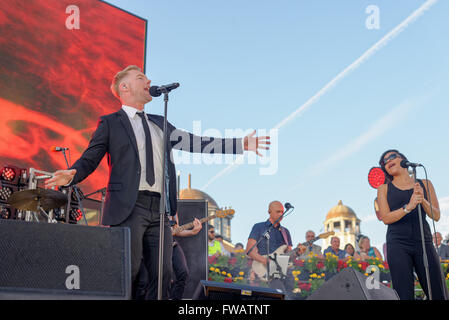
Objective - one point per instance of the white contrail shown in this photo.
(378, 128)
(365, 56)
(378, 45)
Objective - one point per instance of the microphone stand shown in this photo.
(71, 189)
(425, 260)
(278, 268)
(162, 207)
(266, 235)
(103, 196)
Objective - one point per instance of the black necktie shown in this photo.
(148, 149)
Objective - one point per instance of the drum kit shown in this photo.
(40, 204)
(38, 201)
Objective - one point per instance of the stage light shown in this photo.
(14, 175)
(5, 213)
(76, 214)
(8, 174)
(376, 177)
(5, 193)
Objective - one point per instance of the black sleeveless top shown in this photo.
(407, 228)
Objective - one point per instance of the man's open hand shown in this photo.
(252, 143)
(60, 178)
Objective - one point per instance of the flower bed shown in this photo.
(234, 269)
(307, 275)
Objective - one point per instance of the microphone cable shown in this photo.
(434, 232)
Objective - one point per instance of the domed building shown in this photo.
(344, 222)
(222, 225)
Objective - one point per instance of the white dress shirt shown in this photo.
(158, 148)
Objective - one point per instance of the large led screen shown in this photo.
(57, 59)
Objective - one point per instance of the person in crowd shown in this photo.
(442, 249)
(366, 251)
(349, 249)
(226, 251)
(398, 206)
(216, 248)
(310, 246)
(238, 249)
(334, 248)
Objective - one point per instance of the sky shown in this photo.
(335, 84)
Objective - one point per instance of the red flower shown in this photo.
(341, 265)
(228, 280)
(320, 265)
(386, 265)
(299, 262)
(364, 265)
(212, 259)
(305, 286)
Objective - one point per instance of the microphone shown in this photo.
(288, 206)
(57, 149)
(406, 164)
(46, 176)
(156, 91)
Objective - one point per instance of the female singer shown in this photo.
(398, 204)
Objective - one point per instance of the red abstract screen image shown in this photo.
(57, 60)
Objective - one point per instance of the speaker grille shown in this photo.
(212, 290)
(39, 255)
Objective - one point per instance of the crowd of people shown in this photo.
(363, 252)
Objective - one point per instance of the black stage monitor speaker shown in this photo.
(194, 248)
(351, 285)
(211, 290)
(63, 261)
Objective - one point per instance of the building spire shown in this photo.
(190, 181)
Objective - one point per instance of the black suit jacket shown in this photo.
(115, 137)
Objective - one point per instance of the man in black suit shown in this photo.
(135, 170)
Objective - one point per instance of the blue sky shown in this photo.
(252, 64)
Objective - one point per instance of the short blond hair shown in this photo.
(361, 241)
(119, 77)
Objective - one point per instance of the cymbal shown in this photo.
(29, 199)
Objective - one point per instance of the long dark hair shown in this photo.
(389, 178)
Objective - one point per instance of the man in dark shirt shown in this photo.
(334, 248)
(278, 235)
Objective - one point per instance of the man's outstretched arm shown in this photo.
(87, 163)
